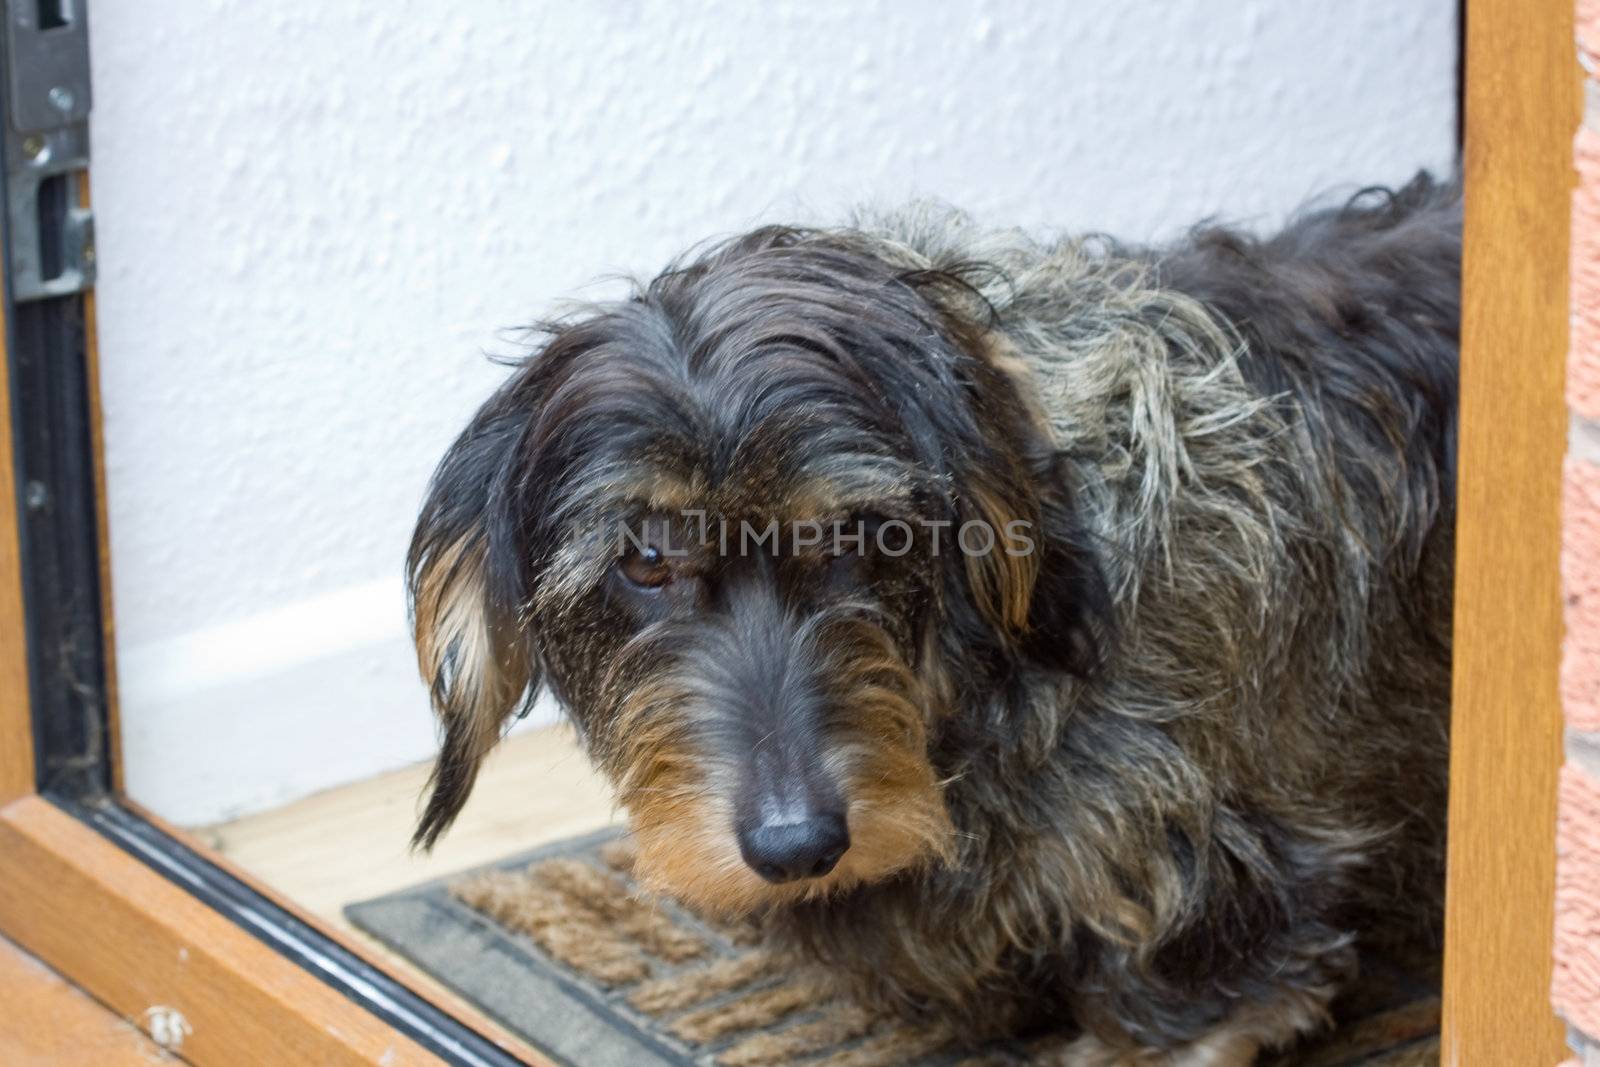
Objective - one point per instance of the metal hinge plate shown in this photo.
(47, 147)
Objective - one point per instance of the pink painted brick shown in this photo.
(1589, 27)
(1575, 984)
(1580, 579)
(1583, 361)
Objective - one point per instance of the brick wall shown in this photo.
(1575, 986)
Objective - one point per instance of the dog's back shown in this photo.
(1350, 318)
(1353, 313)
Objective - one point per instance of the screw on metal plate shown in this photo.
(51, 235)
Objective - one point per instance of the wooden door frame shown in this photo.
(1522, 109)
(139, 915)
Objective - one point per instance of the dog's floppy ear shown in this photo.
(1070, 614)
(478, 664)
(1041, 587)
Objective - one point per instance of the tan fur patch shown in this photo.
(685, 827)
(1001, 581)
(463, 654)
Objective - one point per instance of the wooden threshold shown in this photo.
(139, 943)
(48, 1021)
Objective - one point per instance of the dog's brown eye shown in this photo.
(647, 568)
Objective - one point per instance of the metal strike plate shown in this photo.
(47, 147)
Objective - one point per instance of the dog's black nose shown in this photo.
(786, 852)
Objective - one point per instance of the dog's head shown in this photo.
(761, 529)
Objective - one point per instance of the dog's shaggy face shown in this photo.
(733, 523)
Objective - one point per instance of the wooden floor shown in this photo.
(45, 1022)
(353, 843)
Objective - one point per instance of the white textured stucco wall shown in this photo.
(313, 218)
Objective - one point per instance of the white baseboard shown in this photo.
(260, 711)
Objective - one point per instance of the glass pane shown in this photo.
(316, 226)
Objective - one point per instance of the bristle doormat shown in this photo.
(555, 945)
